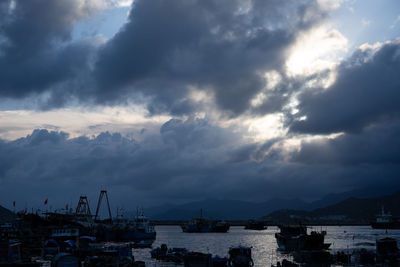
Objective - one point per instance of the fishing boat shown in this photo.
(240, 256)
(295, 238)
(255, 225)
(387, 251)
(385, 221)
(202, 225)
(144, 229)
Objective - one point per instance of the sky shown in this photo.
(162, 101)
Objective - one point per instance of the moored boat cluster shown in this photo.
(81, 239)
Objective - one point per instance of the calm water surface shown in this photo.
(264, 246)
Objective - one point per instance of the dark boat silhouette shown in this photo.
(295, 238)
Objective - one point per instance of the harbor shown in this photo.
(81, 239)
(77, 237)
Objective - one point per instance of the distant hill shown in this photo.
(242, 210)
(222, 209)
(331, 199)
(6, 215)
(351, 210)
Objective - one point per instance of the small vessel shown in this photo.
(285, 263)
(50, 249)
(144, 243)
(219, 261)
(387, 251)
(255, 225)
(198, 259)
(385, 221)
(123, 229)
(196, 225)
(65, 259)
(295, 238)
(240, 256)
(144, 229)
(159, 252)
(219, 226)
(202, 225)
(291, 238)
(111, 255)
(162, 253)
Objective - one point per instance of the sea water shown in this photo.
(263, 243)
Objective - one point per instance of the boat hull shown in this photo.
(315, 241)
(290, 243)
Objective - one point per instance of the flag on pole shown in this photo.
(45, 202)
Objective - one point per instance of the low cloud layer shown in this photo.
(186, 160)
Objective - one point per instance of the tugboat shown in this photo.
(295, 238)
(202, 225)
(386, 221)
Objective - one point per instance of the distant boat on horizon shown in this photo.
(202, 225)
(386, 221)
(255, 225)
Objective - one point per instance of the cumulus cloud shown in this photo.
(222, 47)
(184, 157)
(182, 58)
(187, 160)
(36, 52)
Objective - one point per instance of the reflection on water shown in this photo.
(263, 242)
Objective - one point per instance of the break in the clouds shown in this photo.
(365, 92)
(203, 98)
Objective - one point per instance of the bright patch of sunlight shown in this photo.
(266, 127)
(316, 50)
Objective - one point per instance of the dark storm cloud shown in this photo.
(165, 48)
(178, 162)
(186, 160)
(367, 159)
(366, 92)
(223, 47)
(377, 144)
(35, 52)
